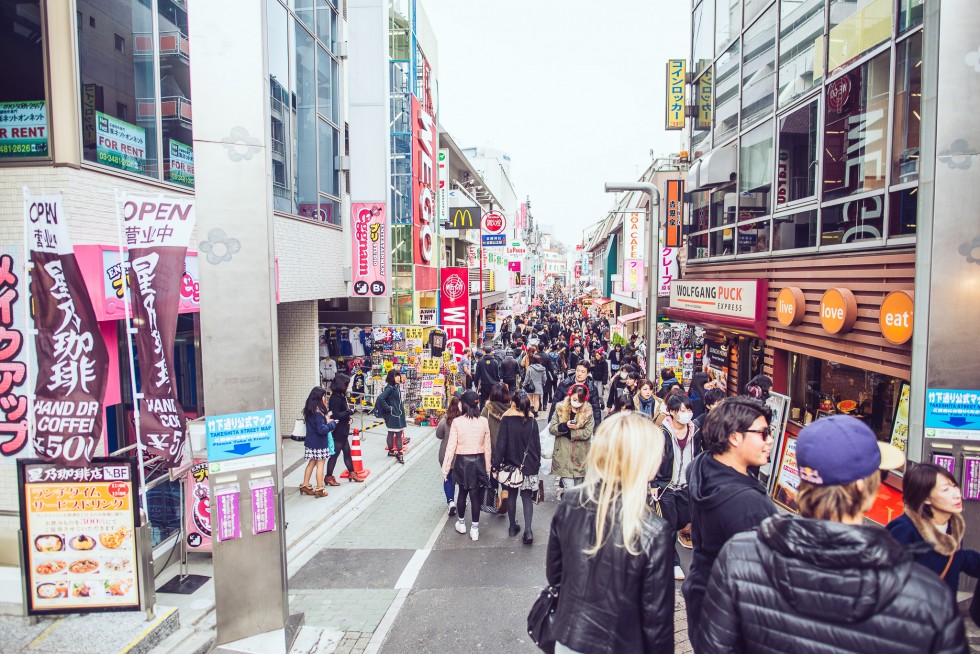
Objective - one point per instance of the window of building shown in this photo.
(796, 162)
(855, 130)
(722, 242)
(305, 11)
(752, 9)
(903, 212)
(120, 44)
(697, 246)
(91, 21)
(818, 388)
(307, 198)
(908, 102)
(853, 220)
(126, 143)
(755, 175)
(326, 24)
(723, 205)
(753, 238)
(23, 105)
(700, 207)
(801, 51)
(704, 32)
(175, 93)
(728, 23)
(122, 111)
(283, 110)
(909, 14)
(726, 94)
(328, 85)
(327, 138)
(794, 231)
(856, 26)
(759, 68)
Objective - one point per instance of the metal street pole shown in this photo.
(653, 217)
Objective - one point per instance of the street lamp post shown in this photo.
(653, 221)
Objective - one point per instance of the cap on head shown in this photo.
(471, 398)
(839, 450)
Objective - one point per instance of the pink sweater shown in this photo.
(467, 436)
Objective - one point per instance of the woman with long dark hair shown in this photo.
(454, 411)
(319, 443)
(390, 407)
(696, 392)
(341, 412)
(468, 456)
(519, 445)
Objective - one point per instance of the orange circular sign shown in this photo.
(790, 306)
(896, 315)
(838, 310)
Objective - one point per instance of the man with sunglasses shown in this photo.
(724, 498)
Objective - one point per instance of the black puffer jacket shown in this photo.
(801, 586)
(612, 602)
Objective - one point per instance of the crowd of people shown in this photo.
(645, 466)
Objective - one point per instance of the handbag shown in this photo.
(489, 504)
(541, 620)
(528, 386)
(513, 476)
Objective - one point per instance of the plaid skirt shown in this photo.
(320, 454)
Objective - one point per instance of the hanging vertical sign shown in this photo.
(157, 231)
(13, 355)
(72, 360)
(423, 184)
(633, 275)
(369, 256)
(634, 235)
(668, 268)
(676, 93)
(443, 186)
(675, 213)
(454, 308)
(702, 120)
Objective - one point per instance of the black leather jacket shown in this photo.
(612, 602)
(799, 585)
(508, 369)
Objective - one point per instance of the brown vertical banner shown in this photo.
(675, 213)
(156, 232)
(72, 360)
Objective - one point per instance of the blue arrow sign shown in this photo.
(241, 434)
(952, 413)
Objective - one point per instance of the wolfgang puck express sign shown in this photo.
(733, 298)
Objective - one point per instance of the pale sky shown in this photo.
(572, 90)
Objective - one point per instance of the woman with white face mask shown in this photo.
(683, 443)
(572, 425)
(647, 403)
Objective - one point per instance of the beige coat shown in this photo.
(572, 446)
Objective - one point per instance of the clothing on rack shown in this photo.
(328, 369)
(357, 345)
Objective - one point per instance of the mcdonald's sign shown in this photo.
(464, 218)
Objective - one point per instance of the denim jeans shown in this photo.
(449, 487)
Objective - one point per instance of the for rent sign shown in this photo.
(455, 314)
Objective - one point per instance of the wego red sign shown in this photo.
(838, 93)
(423, 185)
(455, 314)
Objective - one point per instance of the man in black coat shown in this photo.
(724, 498)
(579, 376)
(508, 371)
(487, 375)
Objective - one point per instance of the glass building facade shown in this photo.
(820, 101)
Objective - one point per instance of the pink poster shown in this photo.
(197, 510)
(369, 254)
(633, 276)
(229, 519)
(263, 505)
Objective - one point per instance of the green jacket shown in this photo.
(391, 408)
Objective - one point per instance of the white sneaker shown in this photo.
(461, 526)
(452, 507)
(678, 573)
(474, 534)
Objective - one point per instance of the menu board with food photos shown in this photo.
(79, 537)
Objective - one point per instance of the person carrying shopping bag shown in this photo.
(516, 461)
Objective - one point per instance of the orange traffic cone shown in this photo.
(355, 454)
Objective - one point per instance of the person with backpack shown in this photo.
(390, 408)
(825, 582)
(519, 447)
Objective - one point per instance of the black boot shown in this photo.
(514, 529)
(528, 536)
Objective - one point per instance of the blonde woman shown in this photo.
(609, 554)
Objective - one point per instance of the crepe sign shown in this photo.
(431, 366)
(78, 530)
(432, 402)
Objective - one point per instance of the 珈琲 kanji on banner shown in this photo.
(72, 360)
(156, 232)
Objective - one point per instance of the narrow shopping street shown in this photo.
(399, 578)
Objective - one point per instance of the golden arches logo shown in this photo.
(462, 218)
